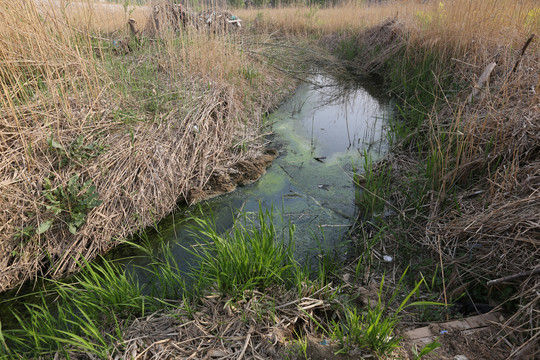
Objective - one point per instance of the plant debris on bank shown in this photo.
(98, 143)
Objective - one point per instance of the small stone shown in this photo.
(460, 357)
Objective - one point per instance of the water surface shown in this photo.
(322, 133)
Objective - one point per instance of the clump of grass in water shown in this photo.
(249, 257)
(87, 314)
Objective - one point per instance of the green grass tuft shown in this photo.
(374, 327)
(249, 257)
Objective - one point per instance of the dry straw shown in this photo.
(57, 84)
(250, 329)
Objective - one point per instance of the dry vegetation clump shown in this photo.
(97, 142)
(253, 328)
(319, 21)
(493, 229)
(484, 154)
(166, 16)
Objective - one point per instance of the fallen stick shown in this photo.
(527, 43)
(514, 277)
(133, 31)
(481, 81)
(131, 23)
(246, 343)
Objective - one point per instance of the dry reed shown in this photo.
(60, 80)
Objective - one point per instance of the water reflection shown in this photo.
(339, 117)
(321, 133)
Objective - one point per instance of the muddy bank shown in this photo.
(225, 180)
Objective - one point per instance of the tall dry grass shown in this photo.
(101, 18)
(483, 157)
(446, 23)
(146, 121)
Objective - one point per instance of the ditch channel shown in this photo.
(323, 134)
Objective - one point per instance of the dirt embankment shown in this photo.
(225, 180)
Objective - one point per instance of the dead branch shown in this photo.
(514, 277)
(527, 43)
(131, 23)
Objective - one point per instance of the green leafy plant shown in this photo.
(86, 314)
(249, 73)
(365, 250)
(70, 203)
(348, 48)
(79, 316)
(25, 233)
(299, 346)
(77, 152)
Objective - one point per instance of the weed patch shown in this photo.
(249, 257)
(374, 327)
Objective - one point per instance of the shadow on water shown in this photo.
(322, 133)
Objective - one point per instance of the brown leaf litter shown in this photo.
(256, 327)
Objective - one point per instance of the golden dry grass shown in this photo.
(92, 16)
(458, 18)
(450, 25)
(156, 121)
